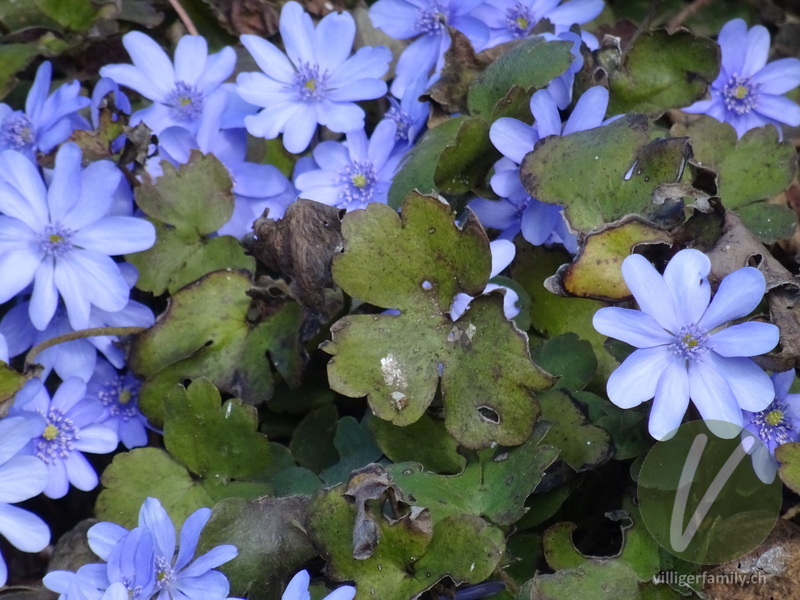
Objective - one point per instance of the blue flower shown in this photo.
(539, 223)
(318, 83)
(60, 238)
(47, 120)
(118, 393)
(353, 174)
(682, 353)
(145, 560)
(298, 589)
(514, 19)
(72, 427)
(503, 252)
(21, 478)
(749, 92)
(3, 349)
(428, 19)
(179, 92)
(255, 186)
(409, 115)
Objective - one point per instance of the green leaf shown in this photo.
(410, 557)
(207, 331)
(356, 449)
(464, 164)
(134, 476)
(770, 222)
(596, 271)
(13, 59)
(187, 205)
(531, 65)
(312, 442)
(662, 71)
(586, 171)
(755, 167)
(271, 542)
(582, 445)
(11, 381)
(569, 358)
(594, 580)
(788, 456)
(556, 315)
(75, 15)
(218, 443)
(624, 425)
(487, 376)
(426, 442)
(495, 486)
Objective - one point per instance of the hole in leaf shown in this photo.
(489, 414)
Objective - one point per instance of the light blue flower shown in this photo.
(318, 83)
(682, 352)
(21, 478)
(353, 174)
(513, 19)
(749, 92)
(179, 92)
(298, 589)
(60, 238)
(255, 186)
(539, 223)
(427, 21)
(72, 427)
(48, 119)
(409, 114)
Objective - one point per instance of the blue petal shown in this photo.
(671, 400)
(589, 111)
(631, 326)
(737, 296)
(297, 33)
(635, 380)
(334, 38)
(513, 138)
(545, 113)
(748, 382)
(23, 529)
(686, 276)
(712, 395)
(155, 519)
(190, 533)
(745, 339)
(650, 291)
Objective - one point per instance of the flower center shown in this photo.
(57, 440)
(16, 132)
(690, 343)
(401, 119)
(773, 425)
(519, 20)
(120, 397)
(740, 94)
(310, 83)
(56, 240)
(165, 576)
(187, 101)
(359, 184)
(431, 20)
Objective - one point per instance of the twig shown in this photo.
(685, 14)
(77, 335)
(184, 17)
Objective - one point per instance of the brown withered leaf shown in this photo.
(370, 482)
(300, 246)
(770, 571)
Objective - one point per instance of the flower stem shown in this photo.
(76, 335)
(184, 17)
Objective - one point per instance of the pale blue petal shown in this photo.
(116, 236)
(732, 42)
(18, 268)
(780, 109)
(44, 299)
(211, 586)
(190, 533)
(15, 432)
(219, 67)
(152, 62)
(210, 560)
(338, 117)
(269, 59)
(650, 291)
(58, 484)
(748, 382)
(545, 113)
(495, 214)
(21, 174)
(503, 252)
(538, 221)
(745, 339)
(23, 529)
(99, 183)
(298, 586)
(299, 130)
(712, 395)
(361, 89)
(80, 473)
(345, 592)
(271, 121)
(61, 196)
(37, 95)
(738, 295)
(369, 62)
(22, 478)
(635, 380)
(334, 38)
(513, 138)
(757, 50)
(686, 276)
(779, 76)
(153, 517)
(102, 538)
(297, 33)
(782, 382)
(631, 326)
(589, 111)
(419, 58)
(190, 58)
(396, 18)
